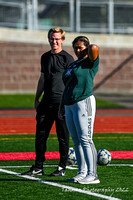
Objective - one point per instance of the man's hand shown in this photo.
(36, 104)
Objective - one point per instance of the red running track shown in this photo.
(23, 122)
(56, 155)
(107, 121)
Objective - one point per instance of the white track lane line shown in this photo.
(60, 185)
(67, 167)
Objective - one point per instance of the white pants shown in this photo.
(80, 120)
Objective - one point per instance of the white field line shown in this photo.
(121, 165)
(68, 167)
(60, 185)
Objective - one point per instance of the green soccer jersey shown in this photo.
(78, 80)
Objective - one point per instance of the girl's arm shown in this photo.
(93, 52)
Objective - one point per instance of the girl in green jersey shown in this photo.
(80, 108)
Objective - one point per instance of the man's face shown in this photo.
(55, 42)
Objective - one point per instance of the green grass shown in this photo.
(27, 101)
(17, 100)
(25, 143)
(115, 180)
(105, 104)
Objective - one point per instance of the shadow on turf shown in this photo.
(51, 180)
(6, 179)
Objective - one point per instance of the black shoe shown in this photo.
(33, 171)
(59, 172)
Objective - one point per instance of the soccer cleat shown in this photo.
(77, 178)
(33, 171)
(59, 172)
(89, 180)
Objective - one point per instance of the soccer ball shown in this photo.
(71, 157)
(103, 157)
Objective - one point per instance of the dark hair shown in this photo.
(81, 38)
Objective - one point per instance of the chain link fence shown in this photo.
(98, 16)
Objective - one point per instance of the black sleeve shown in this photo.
(69, 60)
(42, 63)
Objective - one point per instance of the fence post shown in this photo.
(22, 16)
(111, 16)
(35, 14)
(71, 9)
(78, 16)
(29, 16)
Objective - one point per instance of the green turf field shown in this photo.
(115, 179)
(27, 101)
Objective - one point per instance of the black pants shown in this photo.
(46, 114)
